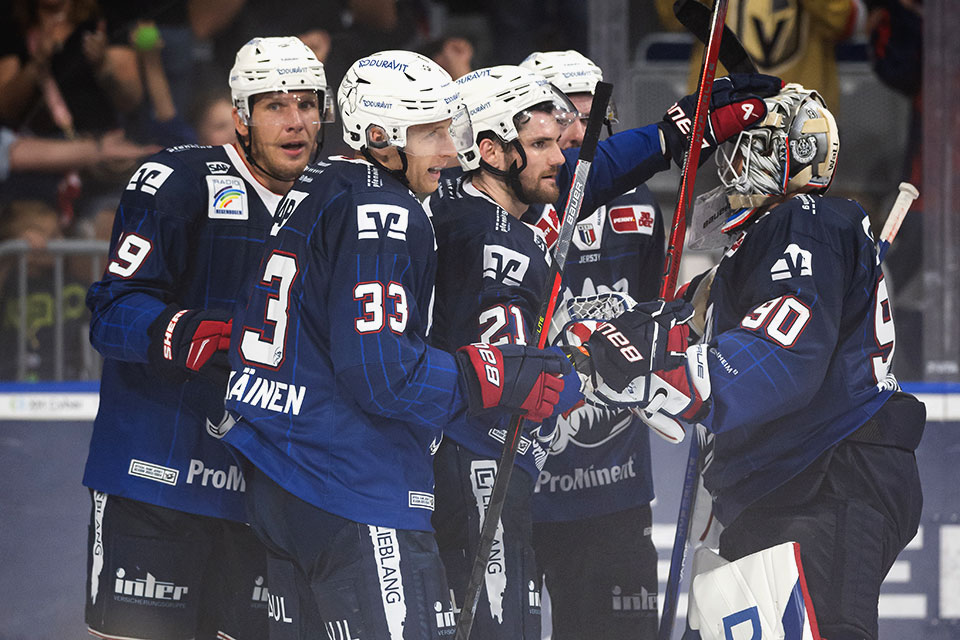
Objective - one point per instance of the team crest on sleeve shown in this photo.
(149, 177)
(635, 218)
(794, 263)
(375, 221)
(504, 265)
(226, 198)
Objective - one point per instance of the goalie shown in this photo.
(809, 438)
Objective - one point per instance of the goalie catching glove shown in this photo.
(736, 104)
(515, 377)
(192, 340)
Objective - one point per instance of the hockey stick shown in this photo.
(498, 494)
(696, 18)
(671, 270)
(908, 193)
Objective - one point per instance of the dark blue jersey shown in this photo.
(801, 323)
(492, 272)
(190, 224)
(493, 268)
(599, 460)
(340, 400)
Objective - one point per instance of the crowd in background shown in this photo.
(88, 88)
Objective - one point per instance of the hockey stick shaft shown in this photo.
(498, 495)
(696, 18)
(908, 193)
(671, 270)
(678, 230)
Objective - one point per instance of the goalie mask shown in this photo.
(794, 149)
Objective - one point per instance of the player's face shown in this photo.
(572, 136)
(283, 132)
(539, 138)
(429, 149)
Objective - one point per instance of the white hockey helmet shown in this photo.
(571, 72)
(794, 148)
(265, 65)
(395, 90)
(499, 100)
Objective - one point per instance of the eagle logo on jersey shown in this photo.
(588, 426)
(796, 262)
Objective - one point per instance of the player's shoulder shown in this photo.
(172, 180)
(811, 215)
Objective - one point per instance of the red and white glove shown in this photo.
(191, 340)
(521, 379)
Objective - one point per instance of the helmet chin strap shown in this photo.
(400, 174)
(512, 175)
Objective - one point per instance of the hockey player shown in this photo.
(492, 271)
(608, 589)
(169, 555)
(340, 403)
(810, 439)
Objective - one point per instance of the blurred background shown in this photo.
(88, 88)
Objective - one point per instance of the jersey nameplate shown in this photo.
(226, 198)
(149, 177)
(636, 218)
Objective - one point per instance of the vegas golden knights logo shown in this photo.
(773, 32)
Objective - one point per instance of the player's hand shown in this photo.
(191, 340)
(636, 343)
(519, 378)
(736, 104)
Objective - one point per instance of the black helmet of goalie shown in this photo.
(793, 150)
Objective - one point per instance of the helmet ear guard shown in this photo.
(793, 149)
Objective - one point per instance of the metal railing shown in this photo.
(18, 253)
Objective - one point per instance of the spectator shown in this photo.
(212, 118)
(36, 223)
(795, 42)
(60, 72)
(453, 53)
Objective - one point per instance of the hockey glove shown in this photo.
(635, 343)
(191, 340)
(515, 377)
(736, 103)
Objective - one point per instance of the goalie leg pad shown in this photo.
(762, 596)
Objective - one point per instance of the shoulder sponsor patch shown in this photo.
(149, 177)
(155, 472)
(504, 265)
(635, 218)
(286, 208)
(226, 198)
(218, 168)
(375, 221)
(794, 263)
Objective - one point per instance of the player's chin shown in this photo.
(428, 180)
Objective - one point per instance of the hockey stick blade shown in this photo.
(498, 495)
(696, 18)
(908, 193)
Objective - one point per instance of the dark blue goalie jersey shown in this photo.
(803, 331)
(191, 222)
(339, 399)
(599, 460)
(492, 272)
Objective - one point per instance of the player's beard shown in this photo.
(539, 190)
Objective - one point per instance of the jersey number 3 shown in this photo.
(254, 346)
